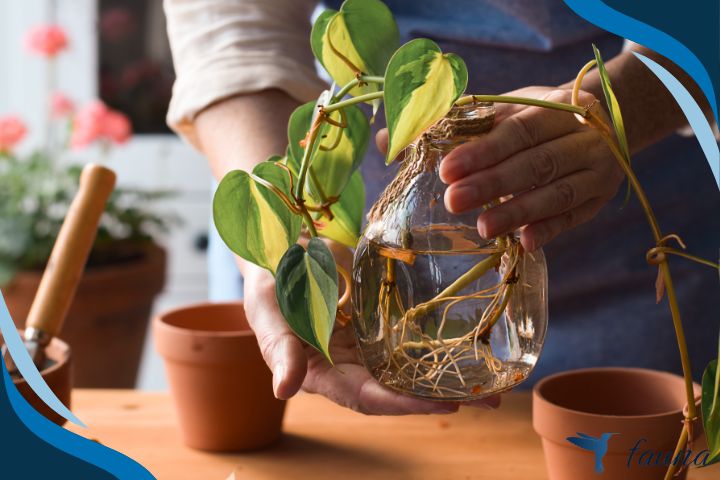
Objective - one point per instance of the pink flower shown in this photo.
(61, 106)
(96, 122)
(12, 131)
(117, 127)
(46, 40)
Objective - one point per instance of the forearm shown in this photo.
(242, 131)
(650, 112)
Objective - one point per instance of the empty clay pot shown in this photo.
(220, 384)
(58, 376)
(640, 410)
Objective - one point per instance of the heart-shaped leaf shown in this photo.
(334, 159)
(711, 410)
(306, 286)
(347, 214)
(421, 86)
(360, 38)
(252, 219)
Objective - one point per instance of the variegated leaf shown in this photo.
(421, 86)
(347, 214)
(360, 38)
(252, 219)
(307, 292)
(331, 169)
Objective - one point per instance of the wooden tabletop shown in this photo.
(325, 442)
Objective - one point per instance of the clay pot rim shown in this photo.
(59, 346)
(161, 323)
(538, 396)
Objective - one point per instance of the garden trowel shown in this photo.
(66, 264)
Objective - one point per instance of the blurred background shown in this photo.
(116, 51)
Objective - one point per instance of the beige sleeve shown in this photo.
(222, 48)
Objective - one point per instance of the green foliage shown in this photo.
(347, 214)
(360, 38)
(307, 292)
(35, 195)
(710, 404)
(421, 86)
(252, 219)
(614, 110)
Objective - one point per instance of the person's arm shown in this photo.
(558, 172)
(242, 68)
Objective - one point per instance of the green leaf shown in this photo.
(421, 86)
(615, 113)
(307, 292)
(252, 219)
(710, 404)
(331, 168)
(347, 214)
(361, 37)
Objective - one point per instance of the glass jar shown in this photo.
(438, 311)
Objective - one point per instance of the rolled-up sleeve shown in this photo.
(223, 48)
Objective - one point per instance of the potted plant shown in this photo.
(126, 267)
(469, 335)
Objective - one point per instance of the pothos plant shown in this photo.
(315, 186)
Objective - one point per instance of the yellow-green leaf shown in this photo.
(306, 288)
(347, 214)
(333, 159)
(710, 404)
(421, 86)
(252, 219)
(360, 38)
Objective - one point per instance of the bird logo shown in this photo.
(599, 446)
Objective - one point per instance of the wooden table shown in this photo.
(325, 442)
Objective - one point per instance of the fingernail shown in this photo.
(492, 223)
(461, 197)
(446, 408)
(454, 167)
(278, 377)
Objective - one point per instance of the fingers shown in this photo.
(352, 386)
(530, 168)
(527, 128)
(539, 234)
(382, 139)
(559, 197)
(490, 403)
(282, 350)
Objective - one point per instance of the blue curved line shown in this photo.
(114, 462)
(27, 368)
(692, 111)
(598, 13)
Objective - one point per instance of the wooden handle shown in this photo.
(71, 250)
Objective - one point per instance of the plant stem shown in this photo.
(682, 442)
(582, 111)
(354, 100)
(353, 83)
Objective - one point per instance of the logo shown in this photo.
(599, 446)
(645, 458)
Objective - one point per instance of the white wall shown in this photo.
(149, 161)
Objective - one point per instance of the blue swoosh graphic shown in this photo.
(74, 445)
(692, 111)
(599, 14)
(27, 368)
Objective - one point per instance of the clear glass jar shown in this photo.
(438, 311)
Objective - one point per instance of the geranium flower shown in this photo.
(96, 122)
(46, 40)
(12, 131)
(61, 106)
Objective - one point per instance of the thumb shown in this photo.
(382, 139)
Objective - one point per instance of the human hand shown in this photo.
(295, 365)
(559, 173)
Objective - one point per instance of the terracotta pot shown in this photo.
(642, 409)
(107, 322)
(220, 384)
(58, 376)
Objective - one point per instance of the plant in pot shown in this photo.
(438, 312)
(126, 267)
